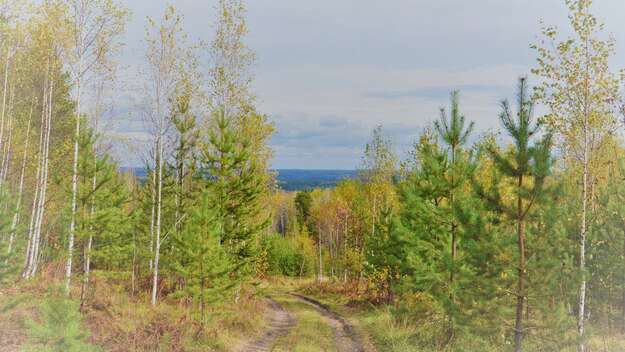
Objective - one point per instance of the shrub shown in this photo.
(59, 329)
(290, 255)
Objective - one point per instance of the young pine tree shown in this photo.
(453, 133)
(207, 266)
(528, 164)
(59, 329)
(237, 190)
(424, 224)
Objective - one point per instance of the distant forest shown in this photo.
(287, 179)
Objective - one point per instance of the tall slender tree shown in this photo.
(167, 53)
(528, 164)
(94, 27)
(453, 133)
(581, 93)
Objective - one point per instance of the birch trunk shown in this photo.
(44, 182)
(28, 262)
(39, 199)
(582, 245)
(158, 218)
(87, 252)
(72, 225)
(153, 191)
(585, 185)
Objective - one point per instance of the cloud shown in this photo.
(329, 71)
(330, 109)
(436, 92)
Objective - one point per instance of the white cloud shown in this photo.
(329, 71)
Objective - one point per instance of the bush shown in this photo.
(59, 329)
(290, 255)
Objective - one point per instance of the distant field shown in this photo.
(289, 179)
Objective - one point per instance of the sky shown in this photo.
(329, 71)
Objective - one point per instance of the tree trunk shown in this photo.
(33, 241)
(86, 268)
(42, 176)
(72, 225)
(44, 183)
(320, 257)
(158, 218)
(453, 223)
(518, 324)
(582, 246)
(87, 253)
(153, 214)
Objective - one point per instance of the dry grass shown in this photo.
(119, 321)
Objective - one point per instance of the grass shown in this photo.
(312, 332)
(117, 321)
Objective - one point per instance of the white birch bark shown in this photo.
(153, 195)
(157, 236)
(28, 261)
(72, 225)
(44, 183)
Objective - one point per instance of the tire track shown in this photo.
(345, 336)
(279, 323)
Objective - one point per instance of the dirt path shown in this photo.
(346, 337)
(279, 321)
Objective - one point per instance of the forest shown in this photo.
(506, 240)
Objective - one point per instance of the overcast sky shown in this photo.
(329, 71)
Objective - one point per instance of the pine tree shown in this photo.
(528, 164)
(206, 265)
(453, 133)
(237, 188)
(423, 223)
(60, 328)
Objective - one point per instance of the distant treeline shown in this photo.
(287, 179)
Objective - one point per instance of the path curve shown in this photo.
(279, 323)
(346, 337)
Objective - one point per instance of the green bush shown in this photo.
(290, 255)
(59, 328)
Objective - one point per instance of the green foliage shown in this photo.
(237, 188)
(303, 205)
(59, 328)
(292, 255)
(436, 202)
(204, 265)
(10, 261)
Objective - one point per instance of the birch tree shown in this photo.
(47, 44)
(581, 93)
(94, 27)
(165, 55)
